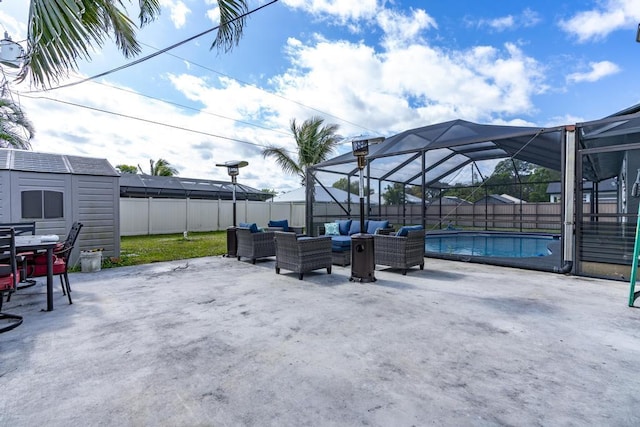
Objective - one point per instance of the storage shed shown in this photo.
(55, 190)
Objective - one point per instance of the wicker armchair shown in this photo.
(254, 245)
(302, 254)
(400, 252)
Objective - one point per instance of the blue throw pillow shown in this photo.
(343, 226)
(374, 225)
(404, 231)
(284, 223)
(331, 229)
(252, 226)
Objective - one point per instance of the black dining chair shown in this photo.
(61, 254)
(9, 277)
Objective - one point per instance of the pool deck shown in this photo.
(213, 341)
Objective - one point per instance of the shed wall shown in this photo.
(92, 200)
(96, 205)
(5, 202)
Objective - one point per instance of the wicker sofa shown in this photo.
(399, 250)
(254, 244)
(342, 232)
(301, 254)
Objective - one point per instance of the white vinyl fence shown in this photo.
(164, 216)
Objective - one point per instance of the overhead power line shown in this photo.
(266, 91)
(186, 107)
(146, 120)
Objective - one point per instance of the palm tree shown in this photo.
(160, 168)
(16, 130)
(61, 31)
(315, 143)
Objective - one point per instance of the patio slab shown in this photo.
(213, 341)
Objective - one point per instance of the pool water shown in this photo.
(490, 245)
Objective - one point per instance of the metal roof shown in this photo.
(448, 147)
(32, 161)
(134, 185)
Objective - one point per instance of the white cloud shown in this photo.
(528, 18)
(595, 24)
(177, 10)
(597, 71)
(400, 29)
(500, 24)
(15, 28)
(343, 11)
(410, 86)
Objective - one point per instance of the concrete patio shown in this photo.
(214, 341)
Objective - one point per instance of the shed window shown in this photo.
(39, 204)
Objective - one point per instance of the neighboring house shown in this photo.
(607, 191)
(330, 195)
(176, 187)
(499, 199)
(448, 201)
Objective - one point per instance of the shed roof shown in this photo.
(33, 161)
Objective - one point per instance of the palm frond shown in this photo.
(284, 160)
(16, 130)
(149, 9)
(231, 24)
(60, 32)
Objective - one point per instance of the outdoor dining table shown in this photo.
(38, 244)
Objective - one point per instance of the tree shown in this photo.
(160, 168)
(394, 194)
(354, 186)
(61, 31)
(538, 182)
(529, 184)
(315, 143)
(16, 130)
(127, 169)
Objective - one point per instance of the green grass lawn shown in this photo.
(136, 250)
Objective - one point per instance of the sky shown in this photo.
(372, 67)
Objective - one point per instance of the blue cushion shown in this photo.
(340, 243)
(331, 229)
(284, 223)
(343, 226)
(404, 231)
(252, 226)
(355, 226)
(374, 225)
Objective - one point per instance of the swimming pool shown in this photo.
(502, 245)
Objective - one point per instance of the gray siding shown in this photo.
(5, 201)
(97, 207)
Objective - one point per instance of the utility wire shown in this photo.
(153, 55)
(186, 107)
(264, 90)
(146, 120)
